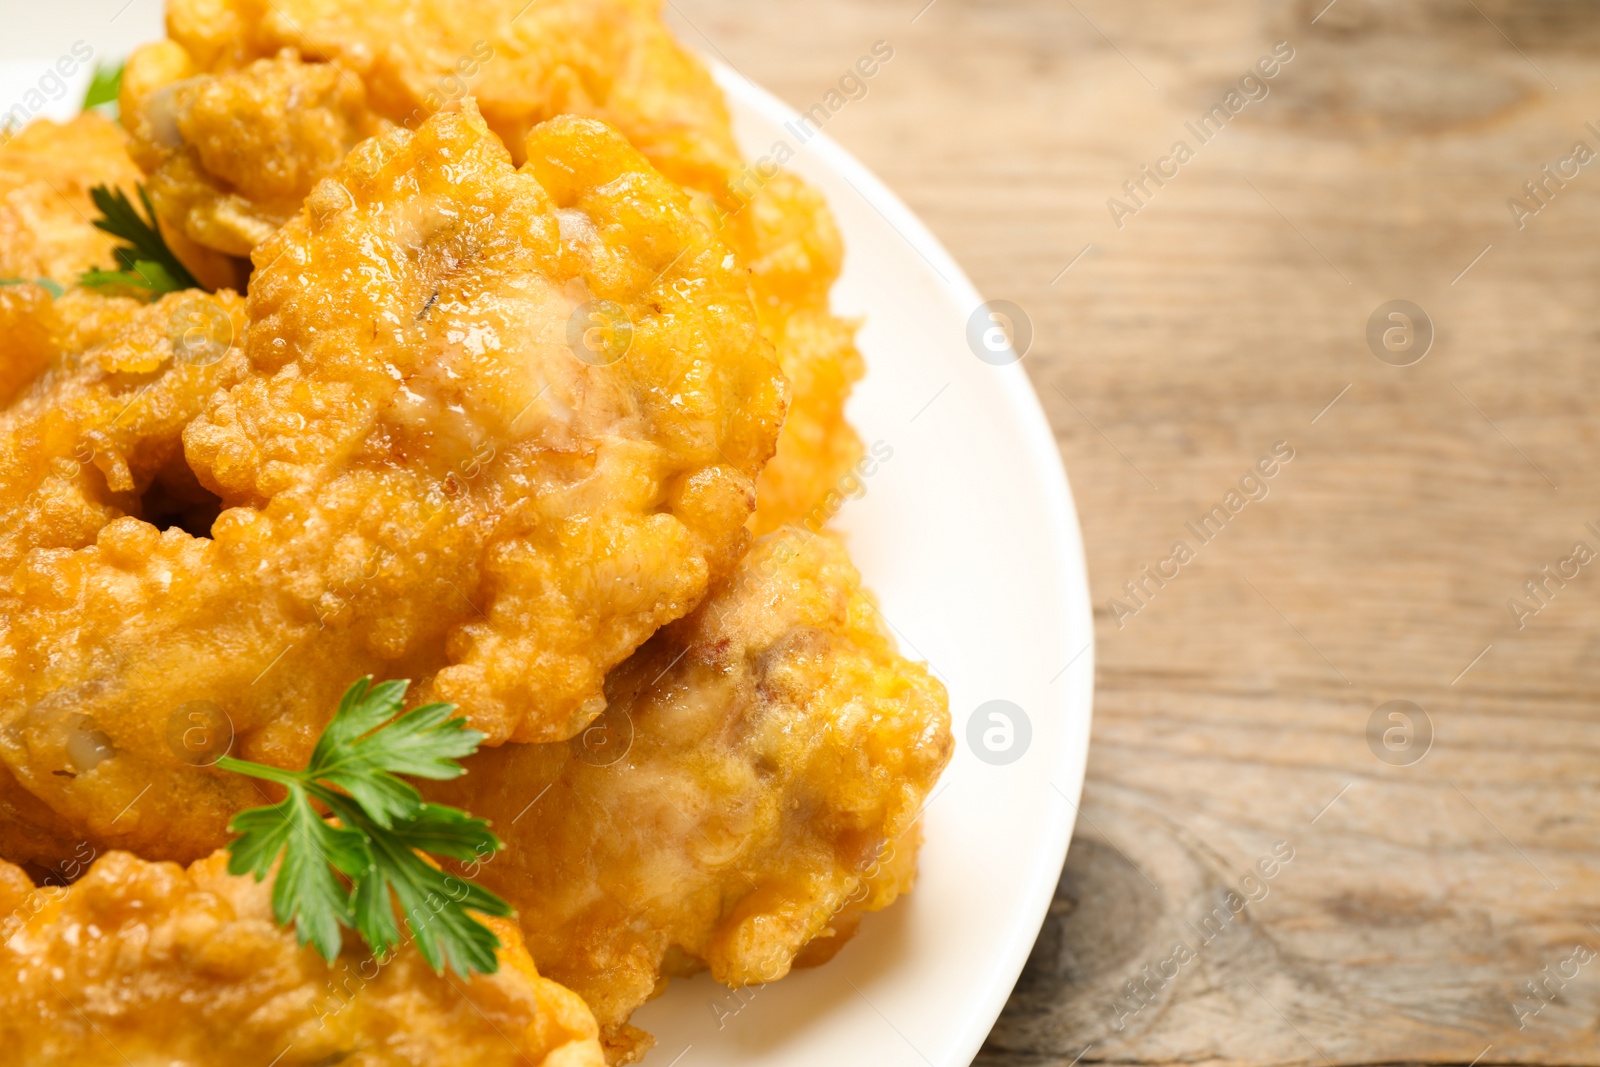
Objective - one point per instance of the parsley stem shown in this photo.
(261, 770)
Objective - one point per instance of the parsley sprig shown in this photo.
(146, 261)
(343, 875)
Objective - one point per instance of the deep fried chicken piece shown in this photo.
(46, 172)
(46, 235)
(151, 963)
(610, 59)
(230, 151)
(524, 63)
(417, 475)
(784, 231)
(229, 184)
(90, 455)
(103, 423)
(809, 476)
(28, 325)
(751, 790)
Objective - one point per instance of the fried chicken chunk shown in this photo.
(151, 963)
(91, 455)
(228, 184)
(487, 428)
(47, 241)
(524, 63)
(46, 172)
(751, 790)
(787, 236)
(27, 335)
(609, 59)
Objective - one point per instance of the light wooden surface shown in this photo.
(1232, 710)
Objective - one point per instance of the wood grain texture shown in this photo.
(1429, 910)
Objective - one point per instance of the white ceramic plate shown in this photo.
(968, 535)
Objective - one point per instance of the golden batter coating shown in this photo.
(524, 63)
(151, 963)
(47, 238)
(28, 326)
(818, 447)
(484, 427)
(46, 172)
(428, 464)
(784, 231)
(91, 464)
(97, 431)
(610, 59)
(752, 788)
(228, 184)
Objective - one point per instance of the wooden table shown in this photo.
(1442, 904)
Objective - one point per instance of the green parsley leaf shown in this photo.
(144, 275)
(104, 87)
(306, 892)
(146, 261)
(436, 904)
(424, 743)
(385, 827)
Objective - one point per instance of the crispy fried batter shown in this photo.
(818, 447)
(28, 326)
(525, 63)
(609, 59)
(229, 184)
(416, 474)
(750, 791)
(90, 449)
(46, 172)
(786, 234)
(151, 963)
